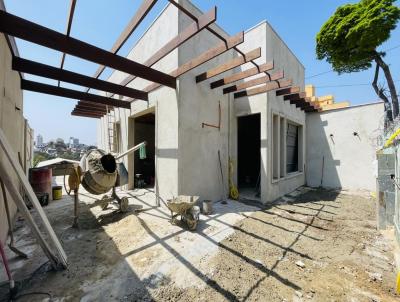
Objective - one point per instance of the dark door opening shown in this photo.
(144, 169)
(249, 154)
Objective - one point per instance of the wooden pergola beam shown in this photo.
(141, 13)
(72, 94)
(203, 58)
(265, 88)
(71, 12)
(254, 54)
(242, 75)
(295, 96)
(51, 72)
(32, 32)
(258, 81)
(189, 32)
(290, 90)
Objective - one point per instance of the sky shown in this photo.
(100, 22)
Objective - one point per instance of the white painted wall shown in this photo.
(348, 159)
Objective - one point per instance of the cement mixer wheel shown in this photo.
(124, 204)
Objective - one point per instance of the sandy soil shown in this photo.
(332, 238)
(316, 246)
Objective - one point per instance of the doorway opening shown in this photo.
(144, 168)
(249, 156)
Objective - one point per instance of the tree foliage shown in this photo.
(349, 39)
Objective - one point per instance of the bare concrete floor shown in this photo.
(311, 246)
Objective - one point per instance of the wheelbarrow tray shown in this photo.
(182, 203)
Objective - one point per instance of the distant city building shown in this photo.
(73, 142)
(39, 140)
(60, 141)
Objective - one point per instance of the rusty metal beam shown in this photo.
(93, 104)
(265, 88)
(294, 96)
(72, 94)
(186, 34)
(68, 29)
(89, 108)
(203, 58)
(87, 112)
(215, 33)
(141, 13)
(32, 32)
(290, 90)
(254, 54)
(85, 115)
(51, 72)
(258, 81)
(242, 75)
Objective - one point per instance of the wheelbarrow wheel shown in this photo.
(192, 224)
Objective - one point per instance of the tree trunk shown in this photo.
(383, 97)
(392, 88)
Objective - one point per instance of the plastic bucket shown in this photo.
(57, 192)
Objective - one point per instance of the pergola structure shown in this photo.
(96, 106)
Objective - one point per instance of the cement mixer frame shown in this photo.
(75, 180)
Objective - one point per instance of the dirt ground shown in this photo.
(312, 246)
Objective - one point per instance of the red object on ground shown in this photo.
(40, 180)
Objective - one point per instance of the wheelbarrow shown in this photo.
(184, 206)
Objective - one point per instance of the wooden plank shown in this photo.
(32, 32)
(72, 94)
(203, 58)
(74, 78)
(265, 88)
(294, 96)
(254, 54)
(258, 81)
(13, 160)
(242, 75)
(85, 115)
(87, 106)
(189, 32)
(290, 90)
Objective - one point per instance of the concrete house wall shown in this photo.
(163, 101)
(12, 122)
(187, 153)
(336, 158)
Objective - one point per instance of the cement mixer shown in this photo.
(99, 172)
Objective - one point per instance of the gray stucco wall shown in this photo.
(163, 101)
(186, 153)
(12, 121)
(335, 156)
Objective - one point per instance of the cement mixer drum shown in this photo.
(100, 171)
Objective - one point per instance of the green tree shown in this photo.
(39, 156)
(350, 38)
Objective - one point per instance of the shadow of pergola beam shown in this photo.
(284, 253)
